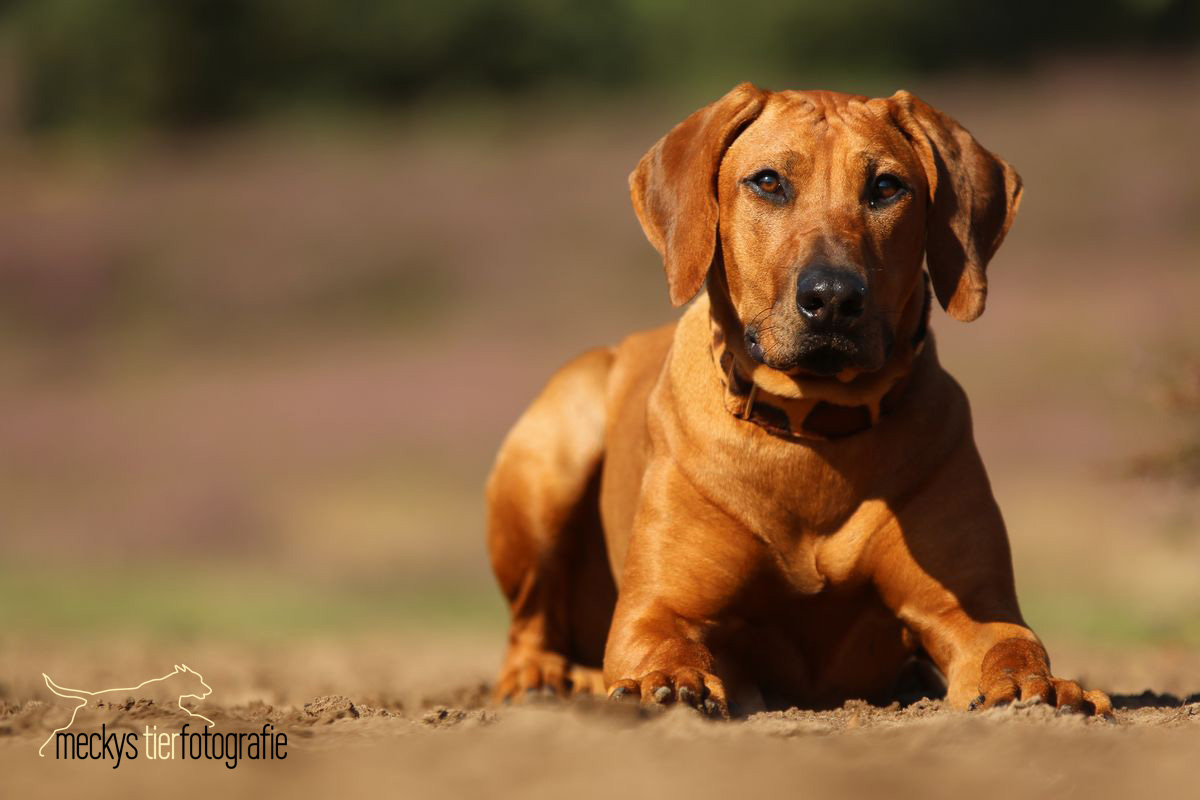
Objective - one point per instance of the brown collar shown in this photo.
(808, 418)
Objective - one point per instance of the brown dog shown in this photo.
(777, 500)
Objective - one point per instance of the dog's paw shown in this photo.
(690, 687)
(1016, 670)
(1065, 695)
(541, 675)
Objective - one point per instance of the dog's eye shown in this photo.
(885, 188)
(768, 181)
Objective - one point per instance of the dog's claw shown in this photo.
(684, 686)
(977, 703)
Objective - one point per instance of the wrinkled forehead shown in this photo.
(798, 127)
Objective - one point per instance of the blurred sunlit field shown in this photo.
(252, 382)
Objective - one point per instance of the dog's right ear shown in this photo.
(674, 187)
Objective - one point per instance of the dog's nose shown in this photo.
(830, 298)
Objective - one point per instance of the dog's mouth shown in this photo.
(819, 355)
(824, 361)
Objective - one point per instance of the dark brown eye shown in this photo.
(884, 188)
(768, 180)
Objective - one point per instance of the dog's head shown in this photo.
(814, 211)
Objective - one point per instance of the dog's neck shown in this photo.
(795, 407)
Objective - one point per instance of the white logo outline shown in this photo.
(76, 695)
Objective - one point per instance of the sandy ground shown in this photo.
(412, 718)
(414, 721)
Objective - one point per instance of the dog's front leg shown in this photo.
(686, 563)
(660, 658)
(945, 569)
(989, 657)
(975, 635)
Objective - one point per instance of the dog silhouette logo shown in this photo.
(182, 679)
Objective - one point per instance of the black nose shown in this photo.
(830, 298)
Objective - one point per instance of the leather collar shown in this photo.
(807, 418)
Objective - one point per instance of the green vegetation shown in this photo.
(184, 600)
(1108, 619)
(103, 63)
(1179, 396)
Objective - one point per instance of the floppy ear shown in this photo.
(674, 187)
(973, 195)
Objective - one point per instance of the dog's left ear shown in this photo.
(973, 195)
(674, 187)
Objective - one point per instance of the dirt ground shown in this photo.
(376, 716)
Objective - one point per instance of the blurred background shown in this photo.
(275, 278)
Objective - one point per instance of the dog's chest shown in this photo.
(815, 521)
(811, 561)
(797, 564)
(811, 518)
